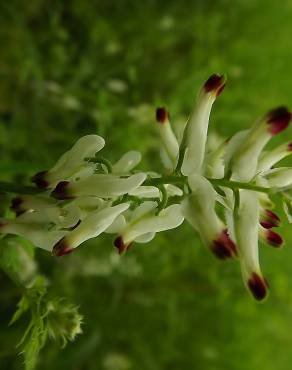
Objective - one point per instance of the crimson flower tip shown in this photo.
(61, 248)
(224, 247)
(215, 83)
(61, 191)
(258, 286)
(274, 239)
(278, 120)
(39, 180)
(161, 115)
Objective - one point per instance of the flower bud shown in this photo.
(244, 161)
(199, 211)
(100, 185)
(197, 126)
(279, 177)
(269, 219)
(127, 162)
(270, 158)
(144, 222)
(168, 137)
(246, 230)
(92, 226)
(70, 162)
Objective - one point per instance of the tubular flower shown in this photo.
(71, 162)
(169, 140)
(92, 226)
(99, 185)
(144, 222)
(199, 211)
(197, 126)
(244, 161)
(246, 233)
(84, 195)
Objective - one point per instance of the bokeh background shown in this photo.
(70, 68)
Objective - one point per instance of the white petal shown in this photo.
(145, 238)
(73, 160)
(127, 162)
(197, 128)
(92, 226)
(271, 157)
(279, 177)
(168, 218)
(146, 192)
(104, 186)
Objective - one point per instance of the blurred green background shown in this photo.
(70, 68)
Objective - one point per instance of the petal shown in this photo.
(199, 210)
(197, 126)
(104, 186)
(146, 192)
(271, 238)
(36, 233)
(167, 135)
(246, 229)
(169, 218)
(92, 226)
(70, 162)
(270, 158)
(279, 177)
(127, 162)
(244, 162)
(214, 166)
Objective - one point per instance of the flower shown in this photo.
(70, 162)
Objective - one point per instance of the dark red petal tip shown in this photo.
(278, 119)
(224, 247)
(61, 191)
(120, 245)
(215, 83)
(16, 206)
(258, 286)
(3, 222)
(161, 115)
(61, 248)
(40, 180)
(274, 239)
(270, 219)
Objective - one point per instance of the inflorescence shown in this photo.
(223, 193)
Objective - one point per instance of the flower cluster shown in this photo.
(223, 193)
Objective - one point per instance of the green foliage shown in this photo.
(49, 318)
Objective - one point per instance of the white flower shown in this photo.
(127, 162)
(144, 223)
(37, 233)
(244, 160)
(92, 226)
(100, 185)
(199, 210)
(70, 162)
(197, 127)
(168, 138)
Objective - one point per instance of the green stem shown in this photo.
(217, 182)
(8, 187)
